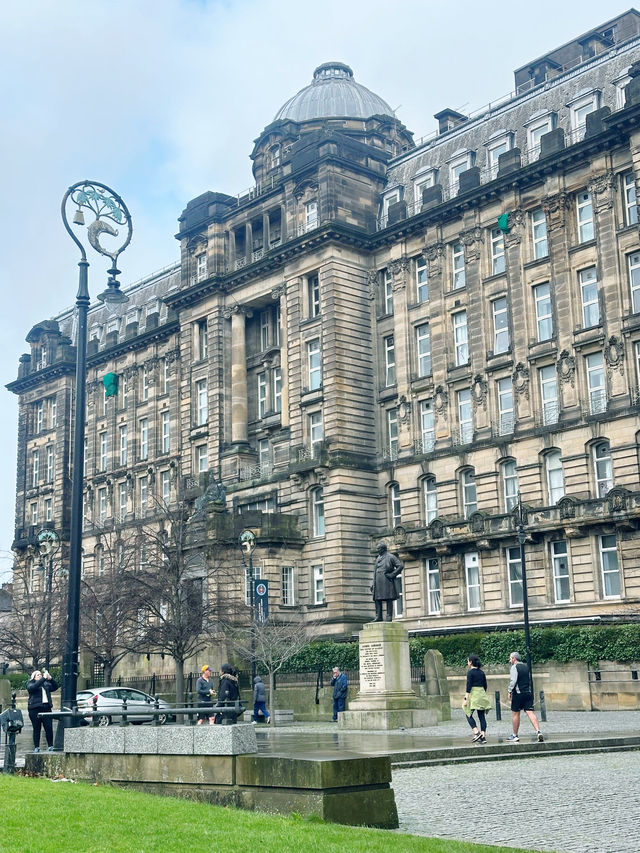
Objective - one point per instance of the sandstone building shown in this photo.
(388, 337)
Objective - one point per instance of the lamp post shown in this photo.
(248, 544)
(109, 211)
(521, 518)
(48, 544)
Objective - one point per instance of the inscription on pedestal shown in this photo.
(372, 666)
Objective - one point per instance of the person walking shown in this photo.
(260, 700)
(228, 689)
(339, 684)
(476, 699)
(40, 687)
(521, 696)
(205, 692)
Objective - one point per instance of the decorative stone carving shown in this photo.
(516, 227)
(279, 291)
(479, 391)
(372, 283)
(566, 367)
(614, 354)
(305, 186)
(617, 499)
(476, 522)
(404, 410)
(172, 355)
(520, 379)
(602, 189)
(228, 311)
(555, 208)
(130, 372)
(440, 401)
(472, 239)
(436, 529)
(398, 269)
(434, 255)
(566, 507)
(399, 535)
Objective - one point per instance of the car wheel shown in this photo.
(103, 720)
(162, 719)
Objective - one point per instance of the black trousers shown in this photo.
(378, 604)
(482, 719)
(46, 723)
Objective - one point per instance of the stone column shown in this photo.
(402, 346)
(280, 293)
(238, 375)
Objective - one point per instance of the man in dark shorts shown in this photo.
(521, 696)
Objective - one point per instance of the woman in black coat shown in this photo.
(40, 687)
(228, 690)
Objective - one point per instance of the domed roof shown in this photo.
(333, 92)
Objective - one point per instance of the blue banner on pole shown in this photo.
(261, 601)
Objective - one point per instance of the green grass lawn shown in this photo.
(41, 816)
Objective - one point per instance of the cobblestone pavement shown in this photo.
(566, 804)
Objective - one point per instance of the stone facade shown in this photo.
(390, 339)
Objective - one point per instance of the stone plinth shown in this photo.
(385, 700)
(162, 740)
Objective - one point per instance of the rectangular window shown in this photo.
(514, 567)
(54, 413)
(144, 495)
(388, 293)
(535, 132)
(430, 499)
(497, 251)
(510, 483)
(202, 459)
(122, 500)
(637, 356)
(555, 478)
(423, 341)
(493, 155)
(287, 586)
(465, 416)
(472, 573)
(318, 584)
(165, 486)
(315, 431)
(276, 376)
(457, 167)
(317, 512)
(124, 444)
(311, 215)
(500, 325)
(609, 566)
(103, 451)
(461, 339)
(549, 394)
(389, 361)
(544, 318)
(264, 329)
(144, 438)
(125, 391)
(459, 276)
(589, 298)
(584, 208)
(560, 565)
(201, 266)
(596, 383)
(630, 199)
(505, 406)
(262, 394)
(634, 281)
(314, 362)
(422, 279)
(48, 509)
(264, 454)
(201, 333)
(166, 381)
(202, 402)
(277, 325)
(392, 432)
(50, 464)
(469, 493)
(34, 514)
(166, 432)
(579, 112)
(539, 228)
(427, 426)
(145, 383)
(395, 505)
(398, 604)
(433, 586)
(39, 417)
(313, 289)
(102, 505)
(35, 468)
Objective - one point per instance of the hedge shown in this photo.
(565, 644)
(19, 679)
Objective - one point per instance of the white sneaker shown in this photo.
(254, 722)
(513, 739)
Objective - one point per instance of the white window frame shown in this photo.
(560, 570)
(288, 586)
(510, 484)
(144, 438)
(395, 505)
(579, 109)
(500, 313)
(35, 467)
(316, 431)
(166, 380)
(389, 361)
(506, 406)
(124, 443)
(48, 509)
(102, 437)
(422, 278)
(608, 550)
(548, 379)
(469, 492)
(201, 332)
(554, 476)
(54, 412)
(584, 216)
(201, 266)
(317, 572)
(432, 574)
(102, 504)
(311, 215)
(630, 199)
(589, 297)
(596, 383)
(122, 500)
(144, 382)
(165, 486)
(422, 180)
(514, 576)
(495, 147)
(457, 165)
(166, 431)
(265, 320)
(539, 234)
(392, 432)
(460, 337)
(465, 416)
(317, 512)
(39, 417)
(544, 311)
(458, 266)
(143, 491)
(390, 197)
(276, 378)
(602, 468)
(387, 283)
(427, 426)
(498, 257)
(201, 458)
(430, 493)
(202, 402)
(262, 394)
(423, 346)
(472, 578)
(313, 294)
(50, 465)
(633, 263)
(536, 129)
(314, 363)
(34, 514)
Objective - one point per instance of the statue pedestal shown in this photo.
(385, 700)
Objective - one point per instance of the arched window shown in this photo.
(602, 468)
(395, 508)
(468, 488)
(430, 499)
(317, 512)
(510, 484)
(555, 478)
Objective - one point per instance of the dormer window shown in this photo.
(201, 266)
(311, 215)
(498, 144)
(539, 124)
(391, 196)
(459, 163)
(274, 157)
(580, 107)
(422, 180)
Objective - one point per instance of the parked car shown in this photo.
(109, 704)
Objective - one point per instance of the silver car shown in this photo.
(139, 705)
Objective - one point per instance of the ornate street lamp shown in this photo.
(109, 212)
(521, 517)
(247, 547)
(48, 544)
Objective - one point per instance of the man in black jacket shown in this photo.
(521, 696)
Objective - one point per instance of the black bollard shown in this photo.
(498, 708)
(125, 719)
(94, 718)
(543, 707)
(156, 707)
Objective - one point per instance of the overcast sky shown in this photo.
(162, 99)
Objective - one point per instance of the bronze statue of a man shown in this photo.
(384, 586)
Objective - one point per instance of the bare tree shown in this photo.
(271, 644)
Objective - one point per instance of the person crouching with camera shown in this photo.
(40, 687)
